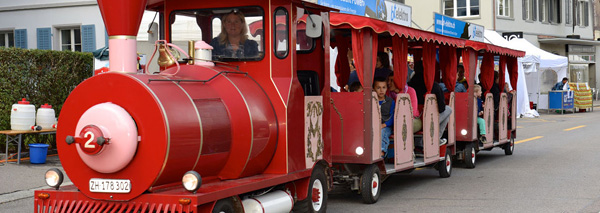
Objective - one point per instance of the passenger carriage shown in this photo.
(356, 133)
(501, 123)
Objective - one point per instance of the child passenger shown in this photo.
(480, 121)
(387, 106)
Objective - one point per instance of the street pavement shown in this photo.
(536, 180)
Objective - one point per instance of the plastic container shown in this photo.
(46, 117)
(22, 115)
(38, 152)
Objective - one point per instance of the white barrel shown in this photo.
(274, 202)
(22, 115)
(46, 117)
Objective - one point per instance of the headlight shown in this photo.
(54, 178)
(463, 132)
(191, 181)
(359, 150)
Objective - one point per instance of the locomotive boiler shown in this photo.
(125, 125)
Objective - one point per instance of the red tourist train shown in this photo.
(254, 126)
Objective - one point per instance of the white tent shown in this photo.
(547, 61)
(527, 63)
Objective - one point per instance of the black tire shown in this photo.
(445, 166)
(370, 184)
(318, 179)
(470, 155)
(509, 147)
(224, 206)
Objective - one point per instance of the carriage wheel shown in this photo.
(509, 148)
(316, 200)
(470, 155)
(445, 167)
(370, 187)
(224, 206)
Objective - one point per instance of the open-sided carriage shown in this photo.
(500, 122)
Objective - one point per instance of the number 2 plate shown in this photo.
(110, 185)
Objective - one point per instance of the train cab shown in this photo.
(230, 119)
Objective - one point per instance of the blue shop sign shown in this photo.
(379, 9)
(456, 28)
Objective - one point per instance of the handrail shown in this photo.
(203, 81)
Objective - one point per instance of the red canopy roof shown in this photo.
(494, 49)
(340, 20)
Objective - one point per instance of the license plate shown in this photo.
(110, 185)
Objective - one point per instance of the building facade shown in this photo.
(562, 27)
(74, 25)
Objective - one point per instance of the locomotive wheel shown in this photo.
(224, 206)
(470, 155)
(445, 167)
(509, 148)
(316, 200)
(370, 186)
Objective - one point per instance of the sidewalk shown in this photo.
(19, 181)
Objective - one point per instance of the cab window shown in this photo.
(234, 33)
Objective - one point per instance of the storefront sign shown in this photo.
(380, 9)
(581, 48)
(456, 28)
(512, 35)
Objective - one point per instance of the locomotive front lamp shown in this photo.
(463, 132)
(54, 178)
(360, 150)
(191, 181)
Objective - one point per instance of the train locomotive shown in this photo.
(234, 136)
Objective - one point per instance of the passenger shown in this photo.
(393, 92)
(356, 87)
(561, 85)
(480, 121)
(461, 82)
(233, 40)
(353, 75)
(418, 83)
(382, 66)
(387, 112)
(495, 90)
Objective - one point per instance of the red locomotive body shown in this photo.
(250, 133)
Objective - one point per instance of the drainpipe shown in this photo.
(494, 14)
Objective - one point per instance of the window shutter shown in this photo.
(44, 38)
(524, 9)
(21, 38)
(534, 9)
(88, 38)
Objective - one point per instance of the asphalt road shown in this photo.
(553, 169)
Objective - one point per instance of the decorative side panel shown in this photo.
(403, 133)
(431, 125)
(513, 111)
(313, 129)
(452, 122)
(503, 118)
(488, 116)
(376, 128)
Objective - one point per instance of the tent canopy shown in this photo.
(547, 60)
